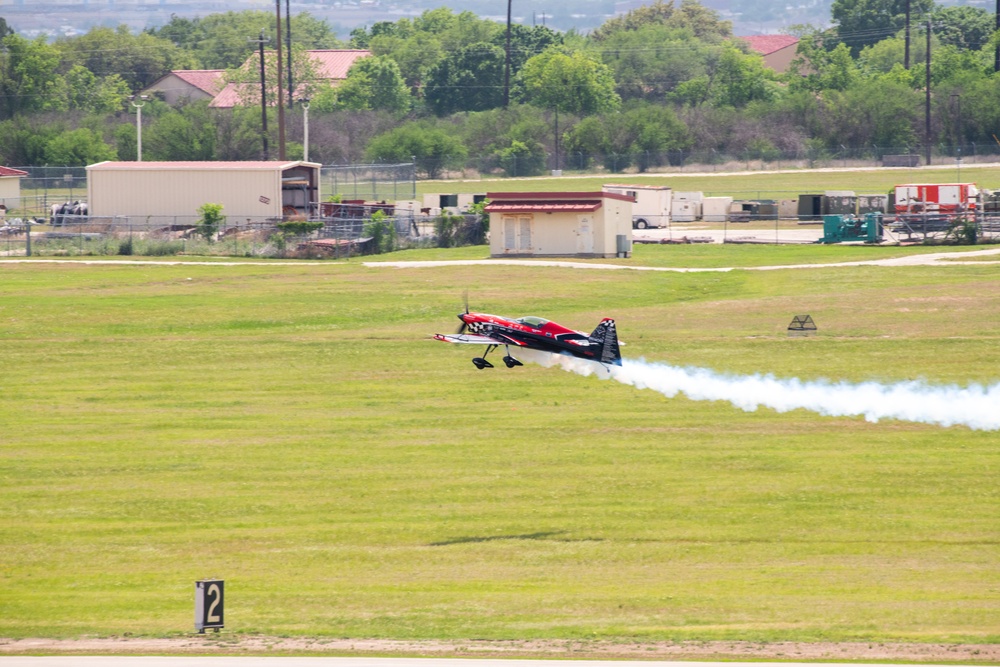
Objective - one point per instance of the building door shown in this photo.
(517, 234)
(585, 235)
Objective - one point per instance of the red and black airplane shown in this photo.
(534, 333)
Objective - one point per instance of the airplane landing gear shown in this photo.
(481, 362)
(511, 361)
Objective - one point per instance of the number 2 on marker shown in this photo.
(212, 616)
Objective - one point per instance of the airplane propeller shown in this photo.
(463, 327)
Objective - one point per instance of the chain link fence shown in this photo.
(704, 161)
(152, 236)
(372, 182)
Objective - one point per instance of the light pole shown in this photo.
(305, 128)
(138, 124)
(958, 155)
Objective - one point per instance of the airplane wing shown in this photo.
(478, 339)
(470, 339)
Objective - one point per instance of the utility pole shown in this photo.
(281, 87)
(506, 69)
(927, 104)
(261, 41)
(996, 57)
(906, 55)
(288, 27)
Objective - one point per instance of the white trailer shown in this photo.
(652, 204)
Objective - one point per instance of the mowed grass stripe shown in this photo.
(293, 431)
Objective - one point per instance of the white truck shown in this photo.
(652, 204)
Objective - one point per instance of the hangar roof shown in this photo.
(195, 166)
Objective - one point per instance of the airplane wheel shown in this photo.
(481, 363)
(511, 362)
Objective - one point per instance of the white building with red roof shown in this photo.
(778, 50)
(10, 183)
(559, 224)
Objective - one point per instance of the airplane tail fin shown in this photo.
(605, 337)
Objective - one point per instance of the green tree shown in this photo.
(521, 158)
(382, 232)
(740, 78)
(470, 79)
(876, 112)
(702, 22)
(210, 218)
(963, 27)
(651, 61)
(219, 41)
(247, 77)
(23, 140)
(817, 67)
(86, 92)
(137, 59)
(238, 134)
(564, 83)
(861, 23)
(882, 57)
(655, 130)
(434, 149)
(642, 135)
(526, 42)
(188, 133)
(373, 83)
(29, 80)
(415, 54)
(77, 148)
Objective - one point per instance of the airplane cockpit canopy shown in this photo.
(532, 321)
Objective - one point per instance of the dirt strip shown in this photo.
(231, 644)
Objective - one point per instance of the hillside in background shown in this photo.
(63, 17)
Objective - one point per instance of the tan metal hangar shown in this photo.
(255, 191)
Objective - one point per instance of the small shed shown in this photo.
(560, 224)
(255, 191)
(10, 184)
(686, 206)
(715, 209)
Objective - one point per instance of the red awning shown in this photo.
(543, 207)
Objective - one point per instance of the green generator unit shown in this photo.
(851, 228)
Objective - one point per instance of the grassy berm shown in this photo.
(291, 429)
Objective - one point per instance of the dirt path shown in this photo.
(230, 644)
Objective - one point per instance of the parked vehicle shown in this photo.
(652, 204)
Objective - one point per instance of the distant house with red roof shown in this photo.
(10, 184)
(187, 84)
(200, 84)
(331, 66)
(778, 50)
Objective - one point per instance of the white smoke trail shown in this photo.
(975, 406)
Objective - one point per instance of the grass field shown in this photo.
(744, 185)
(290, 429)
